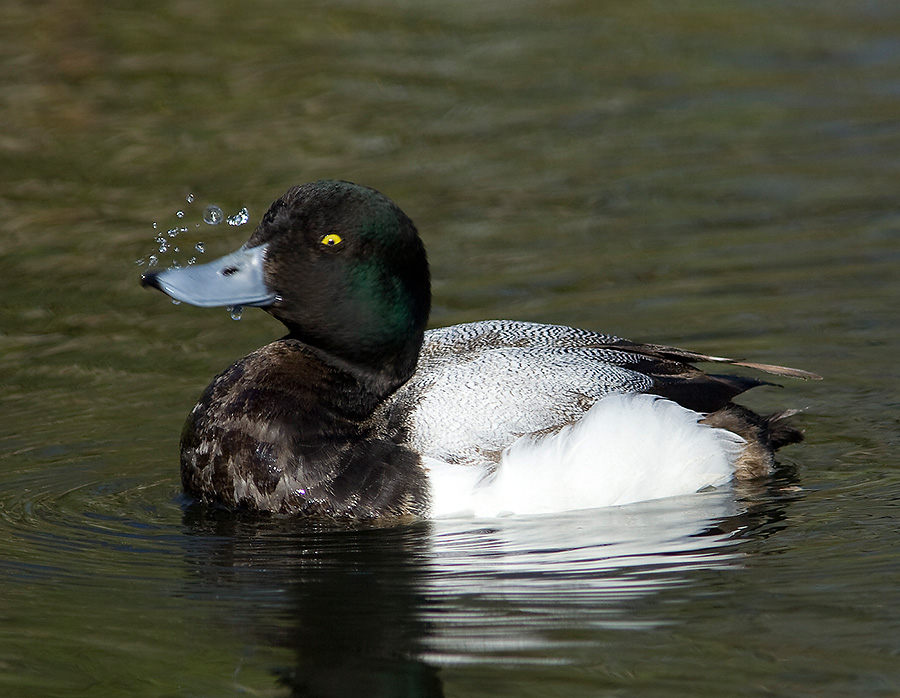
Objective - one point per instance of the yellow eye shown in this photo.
(331, 239)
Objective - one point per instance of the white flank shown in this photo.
(627, 448)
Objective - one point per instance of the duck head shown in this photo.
(340, 265)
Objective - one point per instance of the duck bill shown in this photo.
(235, 279)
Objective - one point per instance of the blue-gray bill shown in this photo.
(235, 279)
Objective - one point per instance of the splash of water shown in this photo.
(239, 218)
(213, 215)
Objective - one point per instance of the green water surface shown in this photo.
(717, 176)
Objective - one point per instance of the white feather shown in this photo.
(627, 448)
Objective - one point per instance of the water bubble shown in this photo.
(200, 247)
(213, 215)
(239, 218)
(179, 214)
(190, 198)
(236, 311)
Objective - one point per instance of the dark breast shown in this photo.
(282, 431)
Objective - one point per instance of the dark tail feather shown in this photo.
(781, 433)
(763, 436)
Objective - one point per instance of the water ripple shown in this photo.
(56, 524)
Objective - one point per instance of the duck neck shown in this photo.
(377, 370)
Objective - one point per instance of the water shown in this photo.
(212, 215)
(717, 177)
(239, 218)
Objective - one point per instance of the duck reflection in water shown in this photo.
(342, 599)
(372, 611)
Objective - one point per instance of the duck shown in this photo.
(359, 412)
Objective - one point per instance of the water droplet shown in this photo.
(154, 225)
(179, 214)
(200, 247)
(239, 218)
(175, 249)
(172, 232)
(174, 302)
(236, 311)
(213, 215)
(175, 265)
(163, 246)
(190, 198)
(192, 260)
(152, 260)
(140, 261)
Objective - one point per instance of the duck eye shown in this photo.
(331, 239)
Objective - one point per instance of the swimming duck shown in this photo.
(359, 412)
